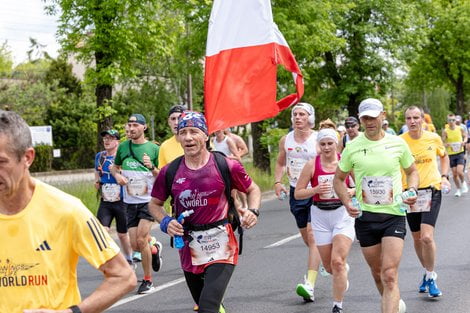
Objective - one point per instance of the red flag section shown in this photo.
(244, 47)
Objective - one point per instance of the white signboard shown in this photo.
(41, 135)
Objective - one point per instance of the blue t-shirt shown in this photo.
(102, 164)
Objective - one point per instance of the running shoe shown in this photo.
(157, 256)
(323, 271)
(464, 187)
(136, 256)
(145, 287)
(458, 193)
(424, 285)
(337, 309)
(401, 306)
(222, 308)
(434, 291)
(196, 308)
(306, 291)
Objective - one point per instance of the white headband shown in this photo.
(327, 133)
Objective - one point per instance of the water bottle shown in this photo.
(357, 205)
(178, 241)
(282, 194)
(402, 197)
(445, 189)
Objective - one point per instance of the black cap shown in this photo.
(351, 121)
(137, 118)
(111, 132)
(176, 109)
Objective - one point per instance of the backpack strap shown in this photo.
(224, 170)
(170, 177)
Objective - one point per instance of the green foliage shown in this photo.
(84, 191)
(271, 138)
(43, 159)
(6, 60)
(61, 71)
(31, 70)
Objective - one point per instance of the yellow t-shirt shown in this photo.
(455, 139)
(40, 248)
(425, 151)
(169, 150)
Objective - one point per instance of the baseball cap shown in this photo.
(351, 121)
(385, 122)
(137, 118)
(370, 107)
(176, 109)
(111, 132)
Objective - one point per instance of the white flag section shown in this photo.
(244, 47)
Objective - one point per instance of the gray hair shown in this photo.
(17, 131)
(414, 107)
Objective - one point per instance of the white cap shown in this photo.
(341, 128)
(370, 107)
(327, 133)
(385, 122)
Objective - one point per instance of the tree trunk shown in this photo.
(353, 105)
(103, 95)
(460, 95)
(261, 158)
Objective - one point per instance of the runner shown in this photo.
(171, 148)
(296, 149)
(422, 217)
(331, 223)
(111, 204)
(198, 185)
(225, 144)
(375, 159)
(137, 158)
(454, 139)
(44, 232)
(239, 142)
(352, 131)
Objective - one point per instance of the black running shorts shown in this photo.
(300, 209)
(372, 227)
(137, 212)
(108, 211)
(416, 219)
(457, 159)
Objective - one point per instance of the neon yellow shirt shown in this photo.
(169, 150)
(425, 151)
(376, 166)
(40, 247)
(455, 139)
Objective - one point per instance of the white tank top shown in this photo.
(297, 154)
(222, 146)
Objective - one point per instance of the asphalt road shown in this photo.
(265, 279)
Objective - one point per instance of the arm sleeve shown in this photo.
(92, 241)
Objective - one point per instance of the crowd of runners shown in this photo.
(342, 183)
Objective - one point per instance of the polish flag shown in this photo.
(244, 47)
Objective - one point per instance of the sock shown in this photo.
(149, 278)
(338, 304)
(312, 277)
(430, 275)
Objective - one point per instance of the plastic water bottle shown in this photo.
(178, 241)
(357, 205)
(445, 189)
(402, 197)
(282, 194)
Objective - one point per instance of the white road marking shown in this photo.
(283, 241)
(156, 289)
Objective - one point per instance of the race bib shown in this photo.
(137, 186)
(377, 190)
(209, 245)
(456, 146)
(329, 180)
(111, 192)
(294, 168)
(423, 204)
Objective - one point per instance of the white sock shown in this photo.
(338, 304)
(430, 275)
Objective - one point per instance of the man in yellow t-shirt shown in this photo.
(454, 138)
(44, 231)
(171, 148)
(426, 147)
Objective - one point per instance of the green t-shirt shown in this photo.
(140, 178)
(376, 166)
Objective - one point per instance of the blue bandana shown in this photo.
(192, 119)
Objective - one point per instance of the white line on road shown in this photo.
(283, 241)
(156, 289)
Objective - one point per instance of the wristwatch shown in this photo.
(446, 176)
(75, 309)
(254, 211)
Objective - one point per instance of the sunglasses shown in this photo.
(350, 126)
(451, 120)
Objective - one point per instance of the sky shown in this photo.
(22, 19)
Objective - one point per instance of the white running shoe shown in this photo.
(464, 187)
(458, 193)
(401, 306)
(306, 291)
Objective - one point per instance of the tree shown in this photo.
(444, 58)
(6, 61)
(112, 35)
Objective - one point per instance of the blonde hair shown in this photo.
(327, 124)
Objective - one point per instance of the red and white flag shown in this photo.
(244, 47)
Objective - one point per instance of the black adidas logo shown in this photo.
(44, 246)
(429, 148)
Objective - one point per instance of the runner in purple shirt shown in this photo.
(210, 250)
